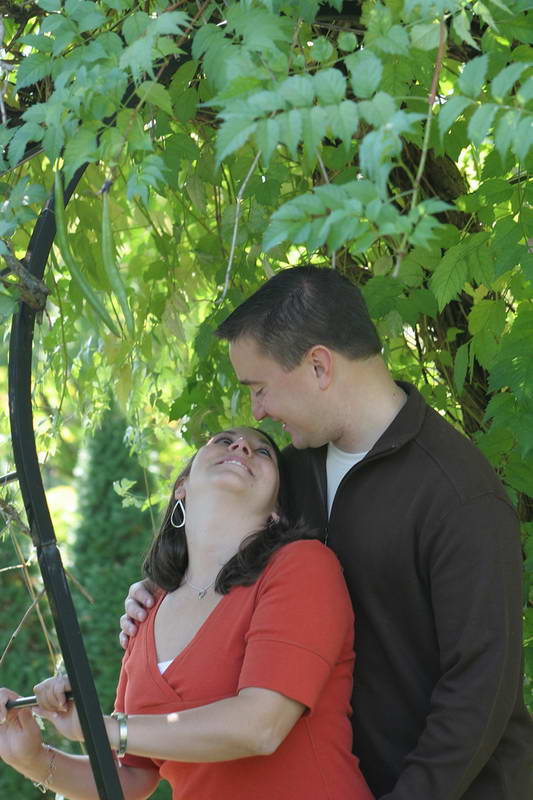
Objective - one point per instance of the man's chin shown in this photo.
(302, 443)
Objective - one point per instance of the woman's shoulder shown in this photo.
(306, 571)
(306, 554)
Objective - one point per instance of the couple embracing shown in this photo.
(239, 680)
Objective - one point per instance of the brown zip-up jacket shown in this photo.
(430, 547)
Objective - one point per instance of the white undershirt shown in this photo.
(338, 463)
(162, 665)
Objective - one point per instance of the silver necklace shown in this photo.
(200, 590)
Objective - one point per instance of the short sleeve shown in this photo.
(129, 760)
(301, 625)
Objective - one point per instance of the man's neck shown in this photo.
(367, 412)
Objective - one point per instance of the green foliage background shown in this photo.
(28, 657)
(108, 547)
(392, 140)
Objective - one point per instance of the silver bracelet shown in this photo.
(44, 785)
(122, 720)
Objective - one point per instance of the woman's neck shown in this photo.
(214, 533)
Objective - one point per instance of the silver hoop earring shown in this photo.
(181, 507)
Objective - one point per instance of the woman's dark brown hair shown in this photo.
(167, 560)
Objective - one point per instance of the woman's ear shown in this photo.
(179, 491)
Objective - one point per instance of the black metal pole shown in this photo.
(39, 520)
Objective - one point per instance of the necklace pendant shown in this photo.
(202, 593)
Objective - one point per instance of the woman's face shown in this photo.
(241, 461)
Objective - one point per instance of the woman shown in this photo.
(238, 684)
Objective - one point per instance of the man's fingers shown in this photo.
(142, 595)
(134, 611)
(139, 594)
(127, 625)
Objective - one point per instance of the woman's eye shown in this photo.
(264, 451)
(223, 440)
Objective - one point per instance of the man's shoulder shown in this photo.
(440, 447)
(436, 454)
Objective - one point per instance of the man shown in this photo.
(427, 537)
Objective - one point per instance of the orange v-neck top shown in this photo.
(291, 632)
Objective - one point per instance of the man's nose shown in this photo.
(241, 444)
(257, 409)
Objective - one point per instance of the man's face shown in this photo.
(290, 397)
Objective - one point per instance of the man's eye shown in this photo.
(258, 392)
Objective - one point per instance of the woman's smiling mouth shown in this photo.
(238, 463)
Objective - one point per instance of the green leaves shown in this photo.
(110, 265)
(299, 90)
(481, 122)
(330, 214)
(343, 121)
(155, 94)
(80, 149)
(33, 68)
(365, 72)
(260, 30)
(330, 86)
(451, 110)
(473, 76)
(233, 133)
(425, 36)
(502, 84)
(29, 132)
(144, 35)
(347, 41)
(8, 306)
(63, 242)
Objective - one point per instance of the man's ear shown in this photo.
(321, 360)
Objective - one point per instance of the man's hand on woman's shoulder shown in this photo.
(137, 602)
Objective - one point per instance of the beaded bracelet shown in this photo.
(44, 785)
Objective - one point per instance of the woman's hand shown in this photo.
(54, 706)
(20, 736)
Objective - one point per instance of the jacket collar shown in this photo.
(406, 424)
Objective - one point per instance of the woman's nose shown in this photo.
(241, 444)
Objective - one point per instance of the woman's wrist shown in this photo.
(111, 726)
(37, 767)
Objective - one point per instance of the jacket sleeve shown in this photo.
(473, 559)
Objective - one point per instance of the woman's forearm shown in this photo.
(253, 723)
(72, 777)
(62, 773)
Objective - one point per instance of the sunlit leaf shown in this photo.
(450, 275)
(451, 110)
(152, 92)
(473, 75)
(503, 82)
(481, 122)
(365, 72)
(32, 69)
